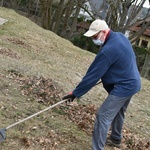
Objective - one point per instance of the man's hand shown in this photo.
(69, 96)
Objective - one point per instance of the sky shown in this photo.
(147, 4)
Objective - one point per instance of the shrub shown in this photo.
(140, 53)
(85, 43)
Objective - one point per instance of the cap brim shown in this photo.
(90, 33)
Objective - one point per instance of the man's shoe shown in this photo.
(112, 142)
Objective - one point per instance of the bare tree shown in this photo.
(2, 2)
(46, 9)
(121, 15)
(37, 7)
(67, 14)
(78, 6)
(146, 67)
(29, 7)
(57, 17)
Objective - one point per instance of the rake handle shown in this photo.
(35, 114)
(39, 112)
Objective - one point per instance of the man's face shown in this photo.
(96, 36)
(100, 35)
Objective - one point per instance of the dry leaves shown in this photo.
(84, 116)
(51, 140)
(19, 42)
(43, 90)
(8, 52)
(48, 92)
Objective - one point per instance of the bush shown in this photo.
(85, 43)
(140, 53)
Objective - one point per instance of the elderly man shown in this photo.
(115, 64)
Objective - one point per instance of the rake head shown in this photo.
(2, 134)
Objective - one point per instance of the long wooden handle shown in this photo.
(35, 114)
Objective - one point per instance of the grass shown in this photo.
(28, 50)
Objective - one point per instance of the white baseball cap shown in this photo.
(95, 27)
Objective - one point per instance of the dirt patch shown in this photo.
(19, 43)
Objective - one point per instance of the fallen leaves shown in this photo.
(51, 140)
(47, 92)
(43, 90)
(25, 141)
(19, 42)
(8, 52)
(82, 115)
(133, 142)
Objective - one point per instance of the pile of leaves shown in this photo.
(42, 90)
(47, 92)
(51, 139)
(84, 116)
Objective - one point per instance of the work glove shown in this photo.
(69, 96)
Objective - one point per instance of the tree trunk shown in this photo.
(37, 8)
(75, 17)
(66, 28)
(2, 2)
(146, 67)
(46, 7)
(29, 7)
(58, 16)
(74, 23)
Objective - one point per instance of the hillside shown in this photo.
(33, 59)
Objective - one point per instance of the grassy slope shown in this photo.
(31, 50)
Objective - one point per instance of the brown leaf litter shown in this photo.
(46, 91)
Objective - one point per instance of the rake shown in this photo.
(3, 130)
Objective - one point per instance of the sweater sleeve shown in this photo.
(95, 72)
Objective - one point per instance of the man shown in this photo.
(115, 64)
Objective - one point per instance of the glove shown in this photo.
(70, 97)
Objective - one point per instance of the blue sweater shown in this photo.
(115, 64)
